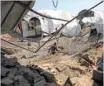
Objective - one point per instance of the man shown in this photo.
(53, 49)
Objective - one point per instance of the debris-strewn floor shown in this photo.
(64, 65)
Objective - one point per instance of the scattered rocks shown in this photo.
(14, 74)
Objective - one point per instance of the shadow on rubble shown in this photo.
(14, 74)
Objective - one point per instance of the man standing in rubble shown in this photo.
(53, 49)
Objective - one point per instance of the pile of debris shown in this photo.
(67, 71)
(74, 70)
(14, 74)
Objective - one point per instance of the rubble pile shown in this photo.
(14, 74)
(69, 67)
(76, 71)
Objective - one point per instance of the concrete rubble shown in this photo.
(51, 70)
(14, 74)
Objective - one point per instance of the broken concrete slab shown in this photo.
(73, 80)
(61, 79)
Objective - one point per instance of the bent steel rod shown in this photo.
(17, 45)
